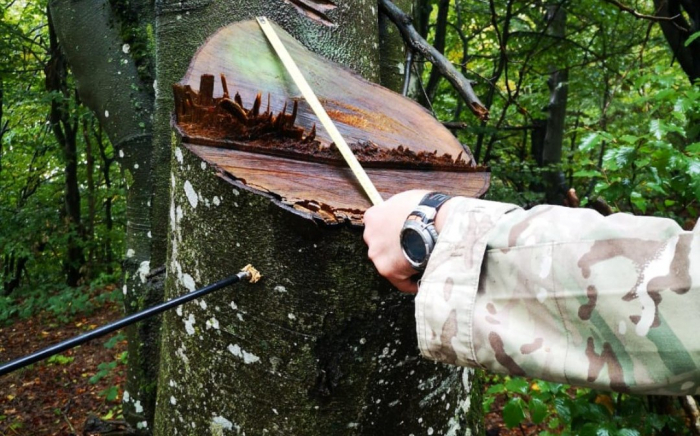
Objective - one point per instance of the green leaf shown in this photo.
(587, 173)
(590, 142)
(563, 408)
(59, 359)
(692, 38)
(656, 127)
(693, 148)
(627, 432)
(518, 385)
(495, 389)
(538, 410)
(513, 413)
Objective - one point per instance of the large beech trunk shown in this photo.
(322, 345)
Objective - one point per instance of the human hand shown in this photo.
(383, 224)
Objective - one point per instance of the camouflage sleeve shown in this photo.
(565, 295)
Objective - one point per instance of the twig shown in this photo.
(419, 44)
(691, 409)
(636, 14)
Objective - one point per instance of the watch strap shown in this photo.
(434, 199)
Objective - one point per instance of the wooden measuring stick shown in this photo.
(326, 121)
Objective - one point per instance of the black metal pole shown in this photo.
(21, 362)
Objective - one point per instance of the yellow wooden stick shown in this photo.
(326, 121)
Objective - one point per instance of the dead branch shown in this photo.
(419, 44)
(691, 409)
(636, 14)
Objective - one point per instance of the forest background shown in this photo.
(593, 95)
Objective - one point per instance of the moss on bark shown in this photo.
(322, 345)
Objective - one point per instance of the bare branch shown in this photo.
(419, 44)
(636, 14)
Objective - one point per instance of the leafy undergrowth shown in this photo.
(536, 407)
(55, 397)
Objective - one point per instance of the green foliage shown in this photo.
(108, 370)
(59, 359)
(653, 168)
(565, 410)
(35, 235)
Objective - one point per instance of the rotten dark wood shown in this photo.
(227, 123)
(265, 136)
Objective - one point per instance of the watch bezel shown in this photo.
(427, 234)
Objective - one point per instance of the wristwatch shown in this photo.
(418, 235)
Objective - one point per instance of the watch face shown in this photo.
(413, 245)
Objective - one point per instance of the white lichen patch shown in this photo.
(204, 165)
(121, 154)
(192, 196)
(138, 408)
(203, 304)
(291, 316)
(280, 288)
(216, 201)
(142, 425)
(178, 155)
(222, 422)
(233, 305)
(124, 289)
(106, 114)
(213, 323)
(188, 282)
(173, 401)
(247, 357)
(178, 310)
(126, 397)
(143, 270)
(130, 253)
(178, 214)
(189, 324)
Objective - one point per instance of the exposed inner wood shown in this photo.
(327, 192)
(225, 122)
(250, 122)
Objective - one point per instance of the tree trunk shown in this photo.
(323, 345)
(555, 182)
(678, 30)
(113, 79)
(65, 128)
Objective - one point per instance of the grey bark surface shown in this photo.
(323, 345)
(556, 185)
(109, 83)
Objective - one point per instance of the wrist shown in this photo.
(443, 213)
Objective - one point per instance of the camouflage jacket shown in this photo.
(565, 295)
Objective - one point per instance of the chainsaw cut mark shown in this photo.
(317, 10)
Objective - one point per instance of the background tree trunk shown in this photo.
(555, 182)
(113, 78)
(322, 345)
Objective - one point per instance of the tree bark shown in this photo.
(679, 30)
(322, 345)
(555, 182)
(65, 129)
(113, 82)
